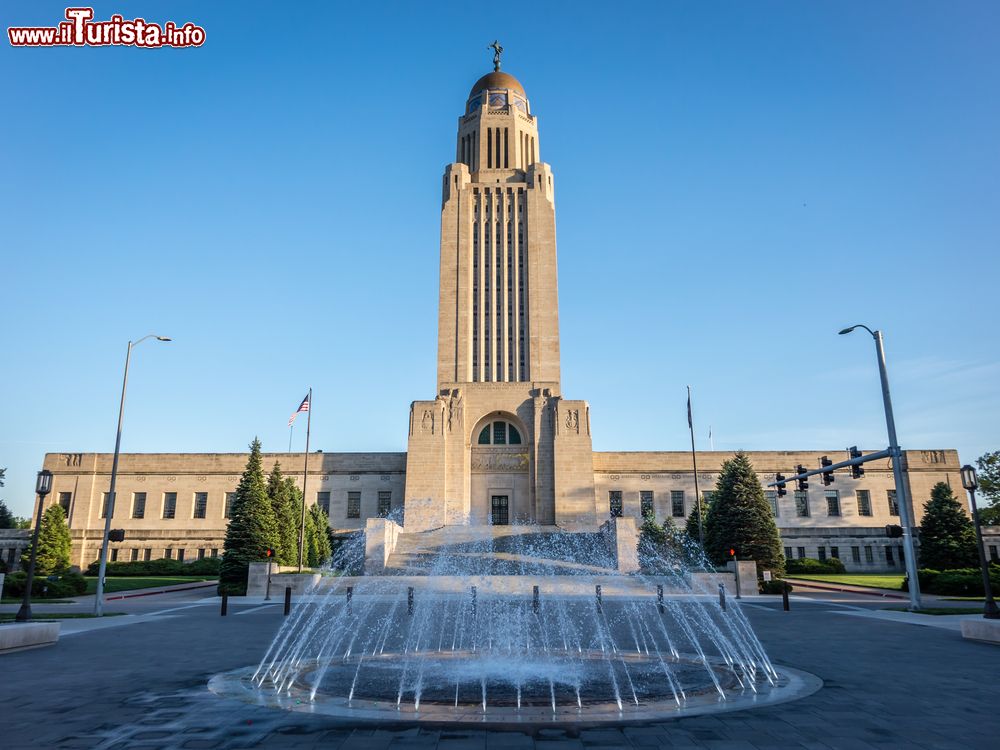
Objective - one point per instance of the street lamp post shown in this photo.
(109, 508)
(43, 485)
(971, 484)
(902, 496)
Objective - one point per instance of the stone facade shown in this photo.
(498, 443)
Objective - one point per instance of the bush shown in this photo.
(208, 566)
(808, 565)
(775, 587)
(54, 587)
(958, 582)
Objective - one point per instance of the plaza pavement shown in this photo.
(138, 681)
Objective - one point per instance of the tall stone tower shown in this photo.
(499, 444)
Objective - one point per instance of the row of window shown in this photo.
(863, 499)
(354, 504)
(135, 554)
(869, 552)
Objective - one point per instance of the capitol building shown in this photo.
(498, 444)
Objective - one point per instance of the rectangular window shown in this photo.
(64, 500)
(802, 552)
(832, 503)
(869, 555)
(788, 553)
(227, 508)
(615, 503)
(801, 504)
(104, 505)
(856, 554)
(821, 553)
(354, 505)
(706, 499)
(323, 501)
(384, 503)
(169, 504)
(864, 502)
(835, 552)
(677, 503)
(215, 551)
(200, 504)
(180, 555)
(772, 500)
(138, 505)
(135, 555)
(201, 553)
(888, 556)
(993, 553)
(168, 553)
(646, 504)
(147, 554)
(893, 504)
(114, 555)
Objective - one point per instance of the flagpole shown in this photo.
(305, 477)
(694, 461)
(291, 427)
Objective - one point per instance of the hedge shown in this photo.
(808, 565)
(958, 582)
(775, 586)
(57, 586)
(208, 566)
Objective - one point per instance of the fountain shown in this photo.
(530, 626)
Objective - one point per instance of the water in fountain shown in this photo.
(515, 621)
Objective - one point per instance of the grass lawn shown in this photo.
(942, 610)
(43, 616)
(875, 580)
(126, 583)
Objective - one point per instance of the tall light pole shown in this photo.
(43, 485)
(971, 484)
(902, 496)
(109, 508)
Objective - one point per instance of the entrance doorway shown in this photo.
(500, 510)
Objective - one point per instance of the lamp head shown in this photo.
(969, 480)
(163, 338)
(847, 330)
(43, 484)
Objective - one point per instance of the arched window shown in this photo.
(499, 433)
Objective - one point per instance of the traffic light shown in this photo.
(827, 475)
(116, 535)
(893, 531)
(269, 552)
(857, 471)
(780, 484)
(803, 483)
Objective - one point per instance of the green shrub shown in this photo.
(208, 566)
(958, 582)
(53, 587)
(808, 565)
(775, 587)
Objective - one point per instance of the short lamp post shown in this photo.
(971, 484)
(43, 486)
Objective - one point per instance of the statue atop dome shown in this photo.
(497, 51)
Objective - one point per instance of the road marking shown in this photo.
(173, 609)
(255, 609)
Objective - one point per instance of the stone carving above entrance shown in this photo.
(498, 460)
(573, 420)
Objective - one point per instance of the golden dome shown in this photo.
(497, 80)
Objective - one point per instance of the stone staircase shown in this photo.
(499, 550)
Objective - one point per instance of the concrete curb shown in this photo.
(845, 590)
(165, 590)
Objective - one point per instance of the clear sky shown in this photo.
(735, 182)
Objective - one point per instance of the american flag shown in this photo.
(304, 406)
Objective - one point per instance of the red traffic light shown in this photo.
(269, 552)
(732, 552)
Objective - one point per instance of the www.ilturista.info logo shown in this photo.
(80, 30)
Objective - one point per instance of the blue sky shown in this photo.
(735, 183)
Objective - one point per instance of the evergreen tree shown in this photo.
(321, 543)
(54, 544)
(691, 528)
(295, 503)
(279, 492)
(7, 519)
(740, 517)
(989, 488)
(252, 527)
(947, 538)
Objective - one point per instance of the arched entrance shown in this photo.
(500, 458)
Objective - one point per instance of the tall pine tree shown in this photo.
(321, 537)
(947, 538)
(740, 517)
(54, 544)
(252, 527)
(279, 490)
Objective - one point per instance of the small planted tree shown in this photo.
(252, 527)
(740, 518)
(947, 538)
(319, 544)
(54, 544)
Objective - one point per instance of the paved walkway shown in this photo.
(888, 684)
